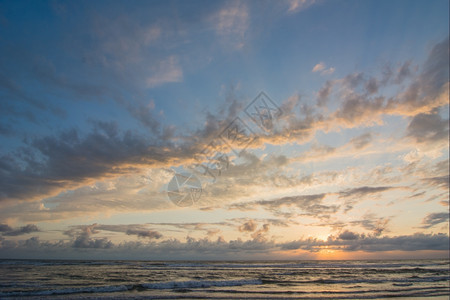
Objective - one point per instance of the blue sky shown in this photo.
(101, 103)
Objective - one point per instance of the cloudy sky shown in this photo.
(344, 154)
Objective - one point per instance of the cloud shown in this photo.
(430, 89)
(439, 181)
(354, 195)
(299, 5)
(121, 40)
(376, 225)
(53, 163)
(372, 86)
(328, 71)
(84, 232)
(324, 93)
(231, 23)
(70, 160)
(349, 242)
(369, 221)
(435, 218)
(249, 226)
(86, 242)
(316, 153)
(258, 247)
(8, 231)
(321, 67)
(260, 234)
(144, 233)
(361, 141)
(83, 239)
(404, 72)
(167, 71)
(308, 205)
(361, 103)
(363, 191)
(348, 236)
(428, 128)
(5, 228)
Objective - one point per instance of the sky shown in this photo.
(166, 130)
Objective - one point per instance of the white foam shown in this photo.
(199, 284)
(94, 289)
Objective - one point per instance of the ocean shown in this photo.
(224, 280)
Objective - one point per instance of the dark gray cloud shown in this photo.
(308, 204)
(430, 89)
(354, 80)
(144, 113)
(219, 248)
(435, 72)
(348, 235)
(428, 128)
(435, 218)
(5, 228)
(364, 191)
(197, 226)
(354, 242)
(83, 238)
(312, 204)
(324, 93)
(67, 160)
(151, 234)
(417, 194)
(376, 225)
(86, 242)
(426, 91)
(139, 230)
(82, 235)
(361, 141)
(354, 195)
(370, 222)
(439, 181)
(404, 72)
(261, 234)
(358, 108)
(414, 242)
(249, 226)
(30, 228)
(372, 85)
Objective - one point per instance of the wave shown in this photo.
(359, 280)
(94, 289)
(63, 262)
(192, 284)
(238, 264)
(295, 265)
(200, 284)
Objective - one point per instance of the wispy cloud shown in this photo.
(8, 231)
(167, 71)
(321, 67)
(231, 23)
(434, 219)
(295, 6)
